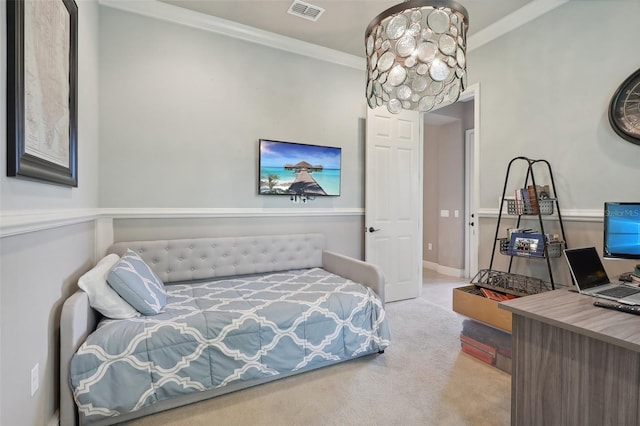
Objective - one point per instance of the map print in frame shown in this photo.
(42, 90)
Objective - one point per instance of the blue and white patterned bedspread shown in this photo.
(215, 333)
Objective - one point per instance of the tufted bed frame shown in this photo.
(188, 260)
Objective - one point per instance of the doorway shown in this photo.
(450, 189)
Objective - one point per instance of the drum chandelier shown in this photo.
(416, 55)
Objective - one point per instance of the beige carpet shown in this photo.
(422, 379)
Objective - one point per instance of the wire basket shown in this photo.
(554, 249)
(506, 282)
(519, 207)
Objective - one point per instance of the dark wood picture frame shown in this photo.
(23, 160)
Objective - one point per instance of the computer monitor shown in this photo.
(621, 230)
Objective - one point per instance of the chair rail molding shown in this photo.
(18, 222)
(571, 215)
(176, 213)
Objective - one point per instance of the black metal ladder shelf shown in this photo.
(544, 204)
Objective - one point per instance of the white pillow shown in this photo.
(102, 298)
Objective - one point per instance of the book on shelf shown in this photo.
(544, 192)
(525, 204)
(553, 238)
(534, 207)
(519, 202)
(497, 295)
(527, 200)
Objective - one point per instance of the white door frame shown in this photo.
(470, 208)
(472, 183)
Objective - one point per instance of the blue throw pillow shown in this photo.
(136, 283)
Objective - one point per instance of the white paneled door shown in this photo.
(393, 205)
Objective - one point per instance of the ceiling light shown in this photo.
(416, 55)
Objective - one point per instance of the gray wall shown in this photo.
(545, 90)
(39, 269)
(343, 233)
(20, 194)
(182, 111)
(179, 107)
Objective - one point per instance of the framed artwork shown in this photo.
(42, 71)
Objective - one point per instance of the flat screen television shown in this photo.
(621, 230)
(288, 168)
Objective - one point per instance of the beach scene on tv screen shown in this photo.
(289, 168)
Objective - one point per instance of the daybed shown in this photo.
(239, 312)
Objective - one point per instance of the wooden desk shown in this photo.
(573, 363)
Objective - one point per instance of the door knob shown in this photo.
(372, 229)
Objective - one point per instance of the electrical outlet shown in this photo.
(456, 213)
(429, 246)
(35, 379)
(444, 213)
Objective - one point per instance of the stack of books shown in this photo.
(496, 295)
(525, 200)
(487, 344)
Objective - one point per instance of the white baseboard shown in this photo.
(444, 270)
(430, 265)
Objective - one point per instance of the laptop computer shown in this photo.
(590, 277)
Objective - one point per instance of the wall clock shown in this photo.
(624, 110)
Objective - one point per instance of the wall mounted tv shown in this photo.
(621, 230)
(288, 168)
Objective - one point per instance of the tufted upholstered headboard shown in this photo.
(202, 258)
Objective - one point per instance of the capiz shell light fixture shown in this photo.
(416, 55)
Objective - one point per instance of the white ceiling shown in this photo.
(342, 25)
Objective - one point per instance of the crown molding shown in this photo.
(190, 18)
(512, 21)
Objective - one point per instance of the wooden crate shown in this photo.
(480, 308)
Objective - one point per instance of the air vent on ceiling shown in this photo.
(305, 10)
